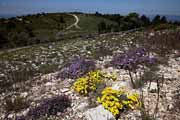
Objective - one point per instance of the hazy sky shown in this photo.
(168, 7)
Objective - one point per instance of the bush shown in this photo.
(12, 76)
(165, 46)
(50, 107)
(162, 26)
(132, 60)
(16, 104)
(117, 101)
(78, 67)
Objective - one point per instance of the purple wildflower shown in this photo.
(77, 68)
(50, 107)
(132, 59)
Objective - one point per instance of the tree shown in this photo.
(133, 15)
(3, 39)
(133, 21)
(10, 25)
(164, 19)
(145, 20)
(157, 19)
(102, 27)
(97, 14)
(62, 19)
(29, 30)
(115, 28)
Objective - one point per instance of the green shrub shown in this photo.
(16, 104)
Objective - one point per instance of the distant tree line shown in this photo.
(132, 21)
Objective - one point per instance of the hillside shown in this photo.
(43, 28)
(89, 22)
(76, 72)
(32, 73)
(32, 29)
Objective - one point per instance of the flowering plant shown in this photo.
(88, 83)
(49, 107)
(77, 67)
(118, 100)
(132, 60)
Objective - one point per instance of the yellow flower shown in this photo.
(112, 101)
(88, 83)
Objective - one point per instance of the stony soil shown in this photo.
(45, 85)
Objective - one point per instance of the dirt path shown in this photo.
(75, 24)
(14, 49)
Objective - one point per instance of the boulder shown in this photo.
(99, 113)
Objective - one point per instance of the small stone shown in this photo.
(169, 98)
(2, 75)
(77, 98)
(151, 34)
(25, 112)
(89, 52)
(24, 94)
(153, 87)
(170, 107)
(177, 59)
(49, 84)
(121, 84)
(65, 90)
(110, 69)
(10, 116)
(82, 106)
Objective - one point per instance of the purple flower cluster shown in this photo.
(48, 107)
(132, 59)
(77, 68)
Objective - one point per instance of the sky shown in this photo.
(149, 7)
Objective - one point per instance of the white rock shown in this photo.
(65, 90)
(10, 116)
(110, 69)
(178, 59)
(24, 94)
(99, 113)
(89, 52)
(153, 87)
(49, 84)
(82, 106)
(2, 75)
(121, 84)
(151, 34)
(170, 107)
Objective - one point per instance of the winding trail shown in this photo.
(75, 24)
(13, 49)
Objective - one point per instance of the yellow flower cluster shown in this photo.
(88, 83)
(133, 101)
(118, 100)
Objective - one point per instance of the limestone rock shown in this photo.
(24, 94)
(121, 84)
(82, 107)
(99, 113)
(64, 90)
(153, 87)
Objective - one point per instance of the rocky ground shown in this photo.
(45, 84)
